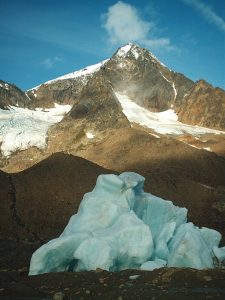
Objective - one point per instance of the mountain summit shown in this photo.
(132, 87)
(136, 72)
(132, 70)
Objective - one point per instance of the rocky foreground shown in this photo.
(45, 179)
(166, 283)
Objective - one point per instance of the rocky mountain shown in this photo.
(97, 106)
(133, 87)
(204, 105)
(65, 89)
(12, 95)
(136, 72)
(133, 71)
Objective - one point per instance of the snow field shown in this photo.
(21, 128)
(163, 122)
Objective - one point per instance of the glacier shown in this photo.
(22, 128)
(119, 226)
(165, 122)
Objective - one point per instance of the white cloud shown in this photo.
(207, 12)
(49, 63)
(124, 24)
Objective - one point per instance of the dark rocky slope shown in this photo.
(37, 203)
(145, 80)
(170, 284)
(98, 107)
(12, 95)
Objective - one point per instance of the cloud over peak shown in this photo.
(123, 24)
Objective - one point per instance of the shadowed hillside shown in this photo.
(38, 202)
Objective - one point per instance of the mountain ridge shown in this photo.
(136, 72)
(109, 96)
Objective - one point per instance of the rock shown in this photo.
(10, 94)
(59, 296)
(204, 105)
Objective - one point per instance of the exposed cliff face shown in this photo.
(137, 72)
(12, 95)
(99, 106)
(204, 105)
(65, 89)
(62, 91)
(132, 70)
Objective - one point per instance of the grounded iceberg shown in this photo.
(118, 226)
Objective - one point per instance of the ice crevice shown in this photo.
(119, 226)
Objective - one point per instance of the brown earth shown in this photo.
(37, 203)
(210, 142)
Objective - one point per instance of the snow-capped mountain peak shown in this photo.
(136, 51)
(83, 74)
(128, 48)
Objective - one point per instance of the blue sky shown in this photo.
(44, 39)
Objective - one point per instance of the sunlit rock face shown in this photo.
(118, 226)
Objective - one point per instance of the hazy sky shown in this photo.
(44, 39)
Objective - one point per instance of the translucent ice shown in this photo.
(119, 226)
(188, 249)
(152, 265)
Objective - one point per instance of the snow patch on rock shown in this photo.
(172, 84)
(4, 86)
(89, 135)
(122, 52)
(83, 74)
